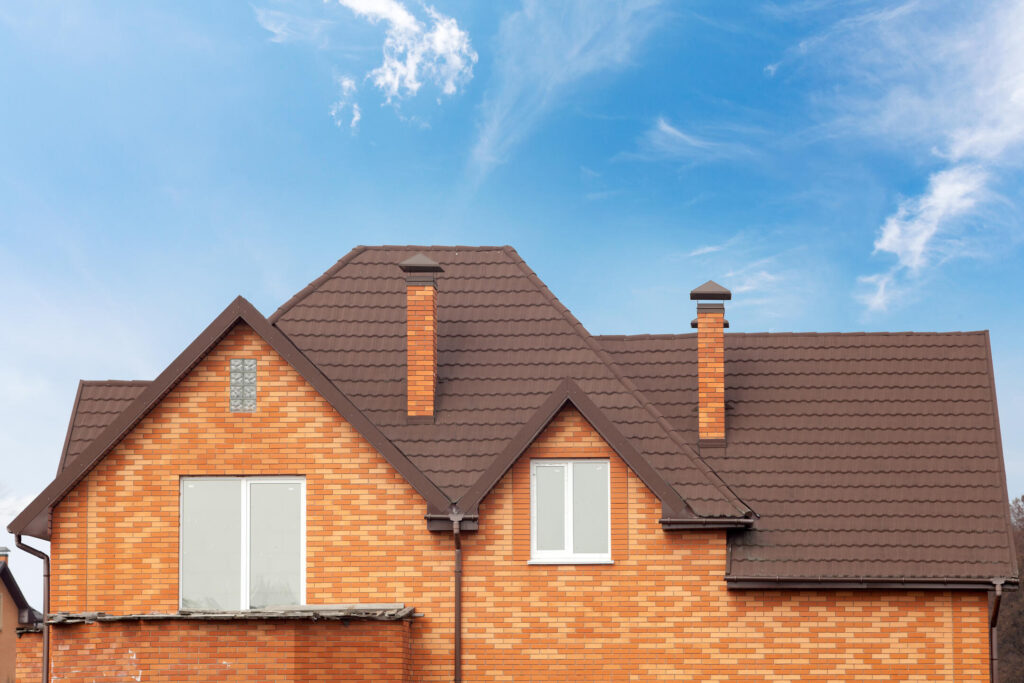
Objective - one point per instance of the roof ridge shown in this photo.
(114, 382)
(683, 335)
(713, 477)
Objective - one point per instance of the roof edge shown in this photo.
(71, 427)
(311, 287)
(1011, 545)
(32, 521)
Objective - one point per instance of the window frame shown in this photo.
(245, 483)
(566, 556)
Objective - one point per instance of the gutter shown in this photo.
(864, 583)
(46, 602)
(672, 524)
(456, 518)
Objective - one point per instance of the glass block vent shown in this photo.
(243, 385)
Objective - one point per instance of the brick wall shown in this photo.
(421, 348)
(660, 612)
(278, 651)
(8, 631)
(29, 658)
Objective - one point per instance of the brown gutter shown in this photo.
(456, 518)
(993, 631)
(671, 524)
(46, 602)
(863, 583)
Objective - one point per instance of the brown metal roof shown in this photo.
(505, 344)
(96, 405)
(866, 456)
(870, 459)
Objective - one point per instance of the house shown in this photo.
(423, 468)
(16, 619)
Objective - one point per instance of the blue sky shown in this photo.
(839, 165)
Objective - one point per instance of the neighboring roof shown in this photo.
(505, 343)
(866, 456)
(26, 615)
(34, 519)
(96, 405)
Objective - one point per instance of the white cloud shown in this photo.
(943, 81)
(413, 51)
(543, 50)
(287, 28)
(341, 106)
(909, 233)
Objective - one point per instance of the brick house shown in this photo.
(423, 468)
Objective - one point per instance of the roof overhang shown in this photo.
(34, 520)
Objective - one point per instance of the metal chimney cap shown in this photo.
(420, 264)
(711, 290)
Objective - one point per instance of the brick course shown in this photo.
(660, 612)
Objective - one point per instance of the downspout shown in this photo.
(456, 518)
(993, 632)
(46, 602)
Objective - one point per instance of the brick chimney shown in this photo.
(711, 324)
(420, 337)
(4, 552)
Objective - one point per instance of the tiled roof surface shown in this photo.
(504, 345)
(864, 455)
(96, 406)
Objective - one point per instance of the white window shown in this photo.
(243, 542)
(570, 511)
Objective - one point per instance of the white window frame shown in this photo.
(245, 483)
(566, 556)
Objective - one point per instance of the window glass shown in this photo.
(590, 507)
(275, 547)
(211, 533)
(550, 507)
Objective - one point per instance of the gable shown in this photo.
(34, 519)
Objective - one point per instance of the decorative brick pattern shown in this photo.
(660, 612)
(711, 370)
(421, 349)
(29, 659)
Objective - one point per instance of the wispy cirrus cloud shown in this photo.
(943, 82)
(546, 49)
(665, 141)
(286, 27)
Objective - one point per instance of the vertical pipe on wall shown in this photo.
(46, 603)
(993, 631)
(456, 518)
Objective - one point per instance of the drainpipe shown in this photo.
(993, 633)
(46, 602)
(456, 518)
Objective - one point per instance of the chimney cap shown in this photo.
(420, 264)
(4, 550)
(711, 290)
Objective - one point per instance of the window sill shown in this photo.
(570, 560)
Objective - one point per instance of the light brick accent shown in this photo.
(660, 612)
(711, 370)
(29, 659)
(421, 348)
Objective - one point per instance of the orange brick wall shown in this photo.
(660, 612)
(276, 652)
(30, 658)
(421, 348)
(711, 370)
